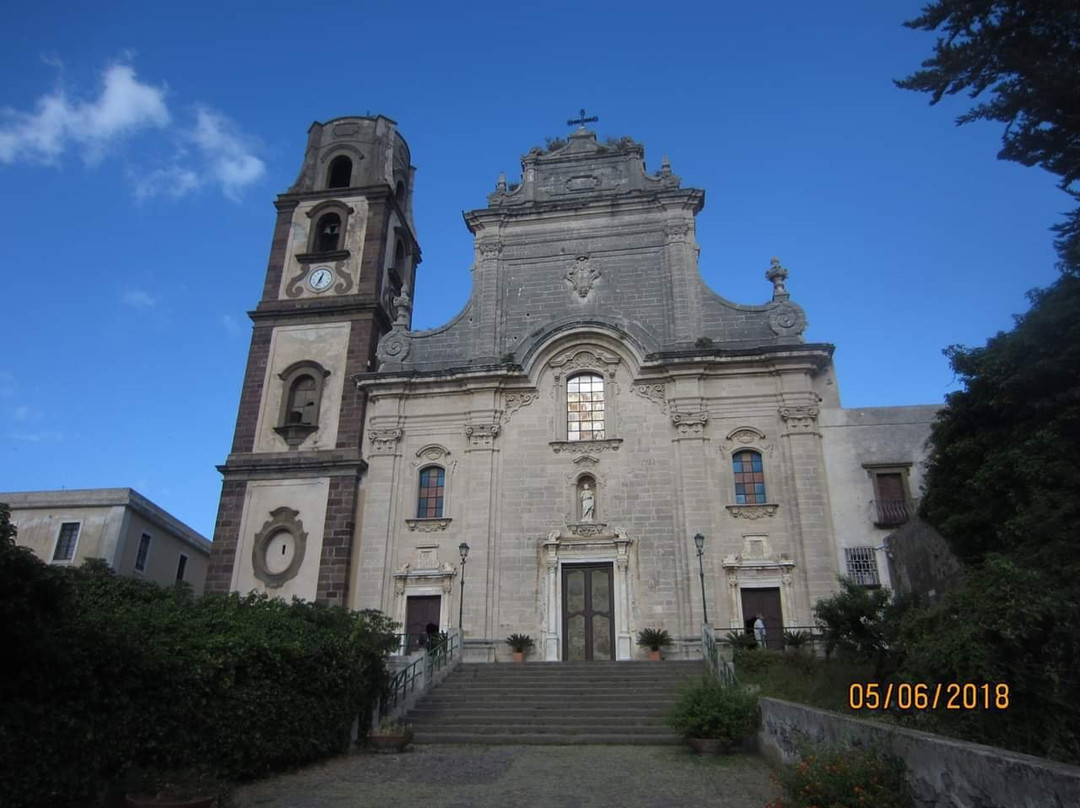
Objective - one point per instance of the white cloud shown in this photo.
(138, 299)
(124, 106)
(230, 162)
(175, 182)
(230, 323)
(210, 151)
(26, 413)
(38, 437)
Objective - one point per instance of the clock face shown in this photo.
(320, 279)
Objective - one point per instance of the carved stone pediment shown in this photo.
(752, 511)
(428, 525)
(585, 446)
(586, 359)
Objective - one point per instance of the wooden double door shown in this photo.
(588, 612)
(764, 603)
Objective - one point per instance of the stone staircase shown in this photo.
(553, 703)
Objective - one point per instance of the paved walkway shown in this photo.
(521, 777)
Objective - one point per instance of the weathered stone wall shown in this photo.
(943, 772)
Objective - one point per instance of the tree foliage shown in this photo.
(1026, 55)
(1003, 474)
(861, 623)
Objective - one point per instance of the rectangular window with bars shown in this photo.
(144, 552)
(862, 565)
(66, 541)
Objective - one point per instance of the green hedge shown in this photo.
(105, 673)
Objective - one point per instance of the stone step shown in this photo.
(538, 724)
(621, 693)
(526, 710)
(433, 737)
(571, 699)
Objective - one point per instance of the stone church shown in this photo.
(596, 444)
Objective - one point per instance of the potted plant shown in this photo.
(391, 736)
(520, 645)
(742, 640)
(195, 787)
(795, 640)
(713, 717)
(654, 639)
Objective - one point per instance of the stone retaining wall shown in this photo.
(943, 772)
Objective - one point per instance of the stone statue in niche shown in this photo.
(588, 504)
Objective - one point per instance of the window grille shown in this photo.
(862, 565)
(65, 544)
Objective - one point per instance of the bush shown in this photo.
(143, 676)
(754, 660)
(862, 623)
(708, 709)
(842, 777)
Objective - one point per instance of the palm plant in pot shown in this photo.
(520, 644)
(196, 787)
(391, 736)
(713, 717)
(655, 639)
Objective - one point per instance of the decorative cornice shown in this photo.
(656, 393)
(482, 436)
(514, 401)
(585, 359)
(690, 424)
(800, 419)
(752, 511)
(428, 525)
(585, 446)
(588, 528)
(490, 248)
(383, 440)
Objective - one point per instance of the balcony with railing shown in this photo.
(893, 512)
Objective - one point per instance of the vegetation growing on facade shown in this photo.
(110, 673)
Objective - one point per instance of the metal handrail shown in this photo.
(403, 683)
(720, 667)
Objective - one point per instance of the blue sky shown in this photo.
(142, 145)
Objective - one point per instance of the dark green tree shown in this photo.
(1003, 474)
(1025, 55)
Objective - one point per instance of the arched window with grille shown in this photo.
(749, 478)
(339, 174)
(429, 504)
(585, 407)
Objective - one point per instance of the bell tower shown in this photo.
(341, 271)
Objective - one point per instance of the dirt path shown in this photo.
(521, 777)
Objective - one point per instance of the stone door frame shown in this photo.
(557, 550)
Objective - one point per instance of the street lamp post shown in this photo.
(699, 542)
(463, 548)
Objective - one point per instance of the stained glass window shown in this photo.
(585, 407)
(749, 478)
(432, 484)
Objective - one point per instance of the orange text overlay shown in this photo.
(940, 696)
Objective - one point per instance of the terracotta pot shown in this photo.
(708, 746)
(390, 743)
(654, 655)
(136, 801)
(519, 656)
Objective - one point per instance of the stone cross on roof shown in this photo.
(582, 120)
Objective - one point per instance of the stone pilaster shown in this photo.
(373, 573)
(692, 513)
(482, 570)
(812, 515)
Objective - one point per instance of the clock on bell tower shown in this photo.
(343, 249)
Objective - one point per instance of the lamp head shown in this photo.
(463, 549)
(699, 542)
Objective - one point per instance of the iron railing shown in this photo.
(720, 667)
(403, 685)
(893, 512)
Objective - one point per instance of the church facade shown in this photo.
(598, 441)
